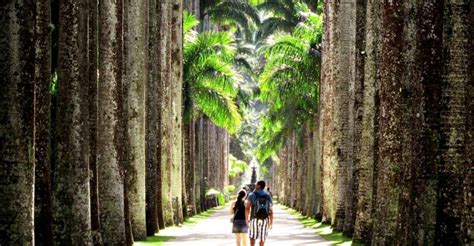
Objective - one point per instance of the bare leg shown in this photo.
(237, 238)
(262, 243)
(252, 242)
(244, 239)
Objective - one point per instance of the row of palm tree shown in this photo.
(101, 146)
(381, 150)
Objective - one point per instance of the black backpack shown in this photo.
(262, 207)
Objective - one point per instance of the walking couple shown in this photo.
(252, 214)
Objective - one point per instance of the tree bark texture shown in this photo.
(93, 101)
(176, 107)
(366, 174)
(71, 203)
(109, 138)
(452, 226)
(135, 77)
(17, 69)
(343, 77)
(42, 110)
(190, 167)
(166, 119)
(386, 217)
(152, 118)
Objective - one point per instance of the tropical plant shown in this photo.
(284, 15)
(289, 83)
(210, 80)
(236, 166)
(239, 13)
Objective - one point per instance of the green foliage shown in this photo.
(229, 189)
(154, 241)
(210, 80)
(53, 88)
(217, 194)
(324, 230)
(236, 166)
(221, 199)
(282, 16)
(289, 83)
(239, 14)
(264, 170)
(160, 239)
(198, 217)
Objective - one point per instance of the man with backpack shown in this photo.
(259, 214)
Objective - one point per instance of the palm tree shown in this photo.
(71, 193)
(209, 76)
(289, 87)
(210, 90)
(288, 84)
(284, 15)
(235, 12)
(111, 186)
(17, 68)
(134, 90)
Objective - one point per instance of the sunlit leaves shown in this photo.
(289, 83)
(210, 80)
(240, 13)
(236, 166)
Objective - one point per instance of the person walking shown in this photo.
(259, 214)
(239, 225)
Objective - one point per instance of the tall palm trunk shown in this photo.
(355, 114)
(386, 217)
(309, 188)
(454, 170)
(166, 118)
(344, 76)
(71, 202)
(327, 87)
(163, 188)
(369, 139)
(293, 170)
(190, 146)
(211, 144)
(16, 122)
(199, 165)
(205, 160)
(135, 76)
(298, 170)
(190, 166)
(176, 107)
(317, 209)
(109, 140)
(92, 95)
(42, 108)
(153, 118)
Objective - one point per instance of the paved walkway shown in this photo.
(216, 231)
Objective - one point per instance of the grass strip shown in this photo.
(159, 238)
(323, 230)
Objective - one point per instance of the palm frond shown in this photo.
(222, 110)
(272, 25)
(228, 6)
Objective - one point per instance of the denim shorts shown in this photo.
(239, 226)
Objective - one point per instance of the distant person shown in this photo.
(239, 225)
(259, 214)
(269, 192)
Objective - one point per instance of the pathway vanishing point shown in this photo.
(216, 231)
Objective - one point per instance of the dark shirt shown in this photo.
(253, 197)
(239, 211)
